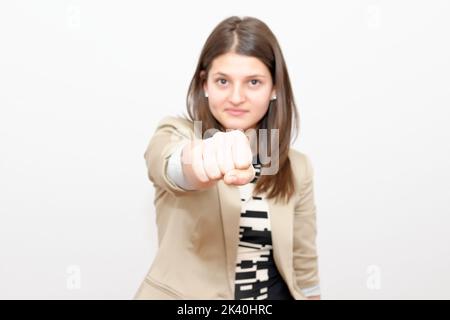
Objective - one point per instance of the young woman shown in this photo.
(234, 203)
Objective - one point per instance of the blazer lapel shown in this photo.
(281, 220)
(230, 209)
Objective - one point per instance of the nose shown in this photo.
(237, 96)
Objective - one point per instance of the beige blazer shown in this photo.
(198, 231)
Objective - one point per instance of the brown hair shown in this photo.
(251, 37)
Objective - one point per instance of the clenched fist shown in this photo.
(226, 155)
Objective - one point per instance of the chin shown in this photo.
(234, 124)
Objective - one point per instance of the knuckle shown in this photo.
(199, 174)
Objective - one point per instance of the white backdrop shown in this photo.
(84, 83)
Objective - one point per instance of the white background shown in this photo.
(83, 84)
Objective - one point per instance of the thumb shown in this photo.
(239, 176)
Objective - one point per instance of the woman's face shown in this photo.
(239, 90)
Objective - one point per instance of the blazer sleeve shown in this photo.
(170, 134)
(305, 254)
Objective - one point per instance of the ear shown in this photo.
(274, 92)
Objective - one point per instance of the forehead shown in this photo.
(238, 66)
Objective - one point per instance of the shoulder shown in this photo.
(301, 164)
(179, 124)
(176, 120)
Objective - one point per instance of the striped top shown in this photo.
(257, 277)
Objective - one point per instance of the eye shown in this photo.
(256, 81)
(219, 80)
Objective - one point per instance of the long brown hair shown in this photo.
(251, 37)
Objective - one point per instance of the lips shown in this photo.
(236, 112)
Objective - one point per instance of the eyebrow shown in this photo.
(250, 76)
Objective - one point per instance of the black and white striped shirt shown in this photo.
(257, 276)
